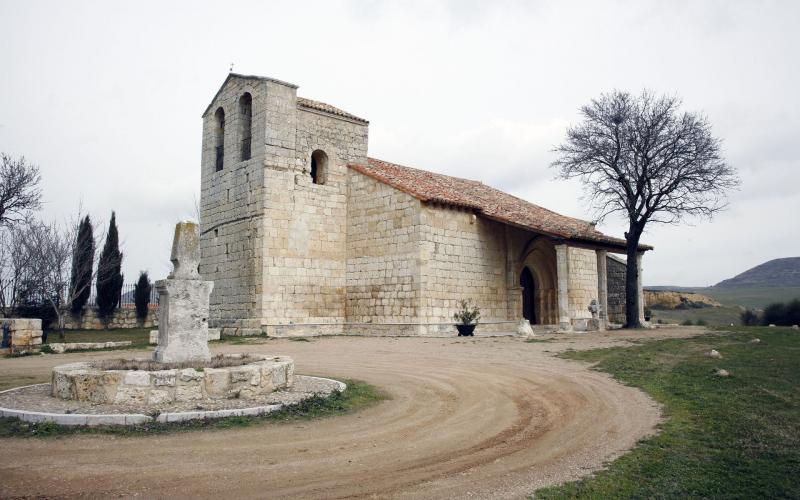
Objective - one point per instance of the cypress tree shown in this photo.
(82, 262)
(141, 295)
(109, 275)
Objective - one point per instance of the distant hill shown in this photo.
(774, 273)
(773, 281)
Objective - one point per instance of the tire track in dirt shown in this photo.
(484, 419)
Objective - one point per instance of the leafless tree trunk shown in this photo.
(641, 157)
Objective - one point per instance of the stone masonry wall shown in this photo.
(232, 203)
(616, 289)
(25, 335)
(582, 287)
(383, 253)
(463, 256)
(305, 257)
(124, 317)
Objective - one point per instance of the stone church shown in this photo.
(303, 233)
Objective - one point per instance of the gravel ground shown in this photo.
(468, 418)
(37, 398)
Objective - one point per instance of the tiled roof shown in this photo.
(489, 202)
(327, 108)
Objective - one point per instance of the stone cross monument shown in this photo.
(183, 302)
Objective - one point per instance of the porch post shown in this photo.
(562, 275)
(639, 288)
(602, 287)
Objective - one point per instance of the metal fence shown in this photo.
(126, 296)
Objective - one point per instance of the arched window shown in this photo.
(319, 166)
(219, 137)
(246, 120)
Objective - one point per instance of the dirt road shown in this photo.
(490, 417)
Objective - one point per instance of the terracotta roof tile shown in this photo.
(327, 108)
(489, 202)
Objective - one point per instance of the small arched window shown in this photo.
(319, 166)
(219, 137)
(246, 120)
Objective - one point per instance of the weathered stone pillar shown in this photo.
(602, 287)
(639, 288)
(183, 302)
(562, 276)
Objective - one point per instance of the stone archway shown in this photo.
(539, 260)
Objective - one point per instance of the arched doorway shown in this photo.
(528, 295)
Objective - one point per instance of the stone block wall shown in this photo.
(232, 201)
(25, 335)
(383, 254)
(582, 287)
(616, 289)
(305, 258)
(463, 256)
(123, 317)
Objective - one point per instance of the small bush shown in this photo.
(749, 317)
(687, 322)
(782, 314)
(701, 322)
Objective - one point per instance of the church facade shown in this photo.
(303, 233)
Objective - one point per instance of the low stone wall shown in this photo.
(616, 289)
(82, 382)
(124, 317)
(62, 347)
(25, 335)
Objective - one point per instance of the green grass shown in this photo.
(735, 437)
(720, 316)
(139, 337)
(357, 396)
(11, 381)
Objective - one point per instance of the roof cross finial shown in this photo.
(231, 70)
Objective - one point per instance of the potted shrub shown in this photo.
(467, 318)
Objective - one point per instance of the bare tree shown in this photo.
(52, 250)
(641, 157)
(19, 189)
(15, 264)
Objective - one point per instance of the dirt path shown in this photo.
(492, 417)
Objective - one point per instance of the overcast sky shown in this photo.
(106, 97)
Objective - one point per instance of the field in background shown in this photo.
(721, 316)
(750, 297)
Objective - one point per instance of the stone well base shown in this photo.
(80, 381)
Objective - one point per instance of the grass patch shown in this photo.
(538, 341)
(139, 337)
(12, 381)
(734, 437)
(239, 340)
(299, 339)
(721, 316)
(357, 396)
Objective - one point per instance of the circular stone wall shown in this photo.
(83, 382)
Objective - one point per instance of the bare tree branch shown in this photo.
(19, 189)
(641, 157)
